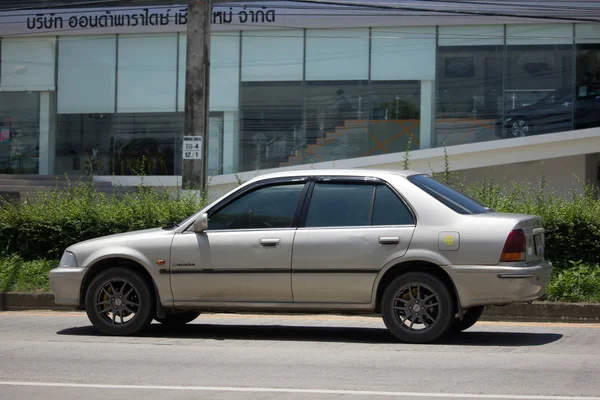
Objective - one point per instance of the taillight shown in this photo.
(515, 247)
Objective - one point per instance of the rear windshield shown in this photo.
(449, 197)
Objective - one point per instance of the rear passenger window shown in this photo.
(340, 205)
(389, 209)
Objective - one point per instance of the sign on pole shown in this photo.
(192, 147)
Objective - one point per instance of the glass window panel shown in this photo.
(539, 34)
(539, 94)
(272, 55)
(19, 132)
(28, 64)
(147, 73)
(403, 53)
(395, 116)
(271, 123)
(335, 111)
(224, 71)
(470, 93)
(587, 100)
(148, 141)
(471, 35)
(446, 195)
(215, 145)
(264, 208)
(587, 33)
(87, 64)
(121, 144)
(83, 144)
(340, 54)
(388, 209)
(336, 205)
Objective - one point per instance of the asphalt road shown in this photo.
(45, 355)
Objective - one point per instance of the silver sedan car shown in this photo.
(398, 243)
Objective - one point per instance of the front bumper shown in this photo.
(65, 284)
(499, 285)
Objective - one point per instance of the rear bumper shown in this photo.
(498, 285)
(65, 284)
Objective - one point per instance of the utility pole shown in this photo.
(197, 76)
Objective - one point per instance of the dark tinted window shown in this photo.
(389, 209)
(269, 207)
(340, 205)
(451, 198)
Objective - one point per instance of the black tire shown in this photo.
(178, 319)
(470, 318)
(436, 319)
(130, 292)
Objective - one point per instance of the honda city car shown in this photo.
(398, 243)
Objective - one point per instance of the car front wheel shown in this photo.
(417, 308)
(178, 319)
(120, 302)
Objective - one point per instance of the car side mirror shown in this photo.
(201, 223)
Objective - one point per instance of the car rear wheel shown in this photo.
(470, 318)
(178, 319)
(120, 302)
(417, 307)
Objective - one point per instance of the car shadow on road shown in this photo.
(324, 334)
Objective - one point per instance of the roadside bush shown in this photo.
(42, 229)
(578, 283)
(18, 275)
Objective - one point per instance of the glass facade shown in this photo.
(113, 104)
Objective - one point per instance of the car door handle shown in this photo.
(389, 240)
(269, 242)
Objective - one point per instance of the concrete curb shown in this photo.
(29, 301)
(543, 311)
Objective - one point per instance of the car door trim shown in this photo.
(271, 271)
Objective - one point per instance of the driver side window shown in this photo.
(264, 208)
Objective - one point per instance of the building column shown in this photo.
(231, 142)
(427, 126)
(47, 143)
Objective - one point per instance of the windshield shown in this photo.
(451, 198)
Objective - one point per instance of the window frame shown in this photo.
(253, 188)
(352, 180)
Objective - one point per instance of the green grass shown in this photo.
(17, 275)
(578, 283)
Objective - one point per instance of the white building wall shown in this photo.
(562, 174)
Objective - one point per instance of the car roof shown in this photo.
(371, 173)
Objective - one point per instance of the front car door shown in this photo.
(245, 254)
(348, 231)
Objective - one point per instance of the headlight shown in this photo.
(68, 260)
(508, 119)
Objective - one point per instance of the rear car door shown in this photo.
(349, 229)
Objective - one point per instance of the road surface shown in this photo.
(50, 355)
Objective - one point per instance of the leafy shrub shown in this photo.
(42, 229)
(18, 275)
(578, 283)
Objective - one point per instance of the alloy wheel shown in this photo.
(416, 307)
(117, 301)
